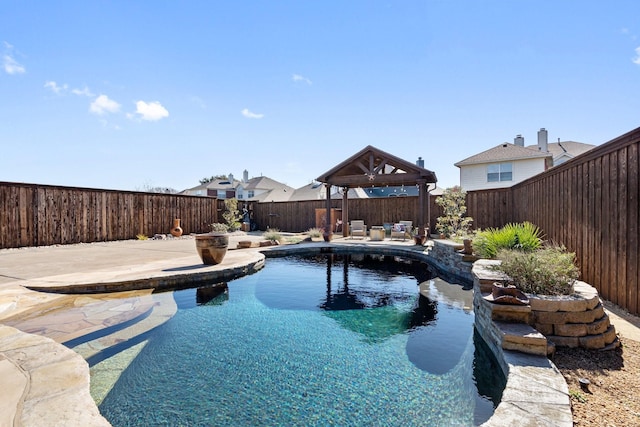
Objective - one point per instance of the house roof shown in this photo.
(311, 191)
(566, 148)
(503, 152)
(372, 166)
(261, 183)
(280, 194)
(222, 184)
(271, 190)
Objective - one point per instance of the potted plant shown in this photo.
(419, 235)
(212, 246)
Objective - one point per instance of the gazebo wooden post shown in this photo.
(328, 227)
(345, 212)
(428, 223)
(421, 197)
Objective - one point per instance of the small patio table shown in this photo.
(376, 233)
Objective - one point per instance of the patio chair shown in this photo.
(401, 230)
(358, 228)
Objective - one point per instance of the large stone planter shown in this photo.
(212, 247)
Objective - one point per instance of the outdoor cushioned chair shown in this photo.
(401, 230)
(358, 228)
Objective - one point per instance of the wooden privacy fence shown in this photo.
(590, 205)
(300, 216)
(38, 215)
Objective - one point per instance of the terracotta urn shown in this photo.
(176, 231)
(212, 247)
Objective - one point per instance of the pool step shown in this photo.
(75, 317)
(163, 309)
(523, 338)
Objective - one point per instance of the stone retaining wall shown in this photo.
(577, 320)
(445, 255)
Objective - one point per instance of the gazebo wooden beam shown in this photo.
(377, 181)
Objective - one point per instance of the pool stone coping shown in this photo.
(535, 394)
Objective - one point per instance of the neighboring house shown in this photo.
(316, 191)
(507, 164)
(566, 150)
(220, 188)
(261, 189)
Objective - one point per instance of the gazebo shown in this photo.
(374, 167)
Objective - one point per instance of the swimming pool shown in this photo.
(321, 340)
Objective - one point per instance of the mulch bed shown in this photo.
(613, 395)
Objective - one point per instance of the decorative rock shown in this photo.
(510, 313)
(592, 342)
(570, 330)
(243, 244)
(544, 329)
(587, 316)
(588, 293)
(599, 326)
(521, 337)
(572, 342)
(610, 335)
(544, 303)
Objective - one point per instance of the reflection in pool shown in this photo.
(323, 340)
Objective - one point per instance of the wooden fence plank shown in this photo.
(633, 191)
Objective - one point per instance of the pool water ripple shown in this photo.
(250, 358)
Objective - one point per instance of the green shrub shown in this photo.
(218, 227)
(314, 232)
(522, 236)
(550, 270)
(272, 234)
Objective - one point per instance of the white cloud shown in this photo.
(54, 86)
(81, 92)
(102, 105)
(636, 60)
(151, 111)
(248, 114)
(299, 78)
(11, 66)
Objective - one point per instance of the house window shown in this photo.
(251, 194)
(498, 172)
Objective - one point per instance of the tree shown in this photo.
(231, 214)
(148, 188)
(213, 178)
(453, 220)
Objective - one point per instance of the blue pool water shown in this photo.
(324, 340)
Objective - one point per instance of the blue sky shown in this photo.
(136, 94)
